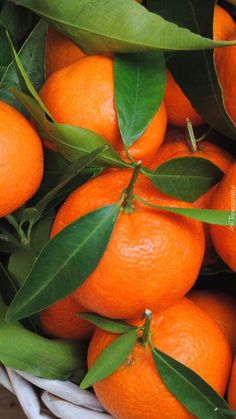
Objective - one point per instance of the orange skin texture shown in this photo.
(176, 148)
(80, 96)
(177, 104)
(142, 266)
(136, 390)
(226, 69)
(232, 387)
(60, 51)
(224, 237)
(21, 160)
(61, 320)
(222, 308)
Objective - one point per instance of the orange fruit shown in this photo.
(232, 387)
(21, 160)
(224, 237)
(177, 104)
(226, 69)
(222, 308)
(61, 320)
(80, 96)
(208, 150)
(60, 51)
(173, 149)
(136, 390)
(142, 266)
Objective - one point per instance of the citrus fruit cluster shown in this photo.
(147, 279)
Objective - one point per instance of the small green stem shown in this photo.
(191, 136)
(129, 196)
(17, 228)
(146, 336)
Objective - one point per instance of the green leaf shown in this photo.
(143, 76)
(190, 389)
(186, 178)
(32, 57)
(29, 352)
(195, 71)
(65, 262)
(59, 192)
(219, 217)
(20, 263)
(93, 26)
(110, 359)
(23, 78)
(8, 287)
(5, 57)
(70, 141)
(227, 412)
(40, 232)
(17, 21)
(110, 325)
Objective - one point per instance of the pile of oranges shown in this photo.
(153, 258)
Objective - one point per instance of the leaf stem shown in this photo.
(191, 137)
(129, 195)
(146, 336)
(17, 228)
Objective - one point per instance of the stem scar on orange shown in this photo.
(153, 257)
(82, 94)
(184, 332)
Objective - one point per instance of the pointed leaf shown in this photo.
(188, 387)
(143, 76)
(110, 359)
(186, 178)
(195, 71)
(219, 217)
(65, 262)
(93, 26)
(72, 142)
(32, 57)
(110, 325)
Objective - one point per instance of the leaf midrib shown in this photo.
(66, 262)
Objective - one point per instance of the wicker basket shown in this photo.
(47, 399)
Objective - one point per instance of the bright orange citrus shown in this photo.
(208, 150)
(222, 308)
(21, 160)
(232, 387)
(143, 266)
(80, 96)
(60, 51)
(61, 320)
(186, 333)
(177, 104)
(224, 237)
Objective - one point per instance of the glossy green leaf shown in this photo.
(59, 192)
(8, 287)
(5, 56)
(17, 21)
(70, 141)
(186, 178)
(190, 389)
(20, 263)
(29, 352)
(65, 262)
(110, 359)
(139, 89)
(195, 71)
(219, 217)
(110, 325)
(30, 56)
(40, 232)
(93, 26)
